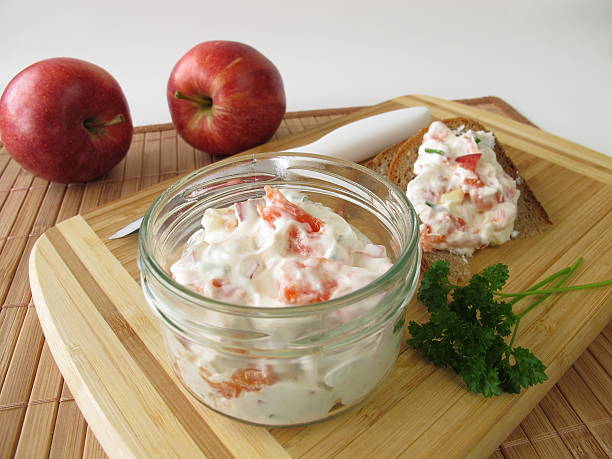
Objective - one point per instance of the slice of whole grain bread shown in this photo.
(381, 162)
(531, 216)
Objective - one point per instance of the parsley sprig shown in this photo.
(468, 333)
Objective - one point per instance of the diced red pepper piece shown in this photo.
(305, 294)
(253, 379)
(218, 282)
(469, 162)
(281, 204)
(477, 182)
(245, 379)
(429, 241)
(297, 284)
(459, 223)
(483, 204)
(269, 214)
(297, 244)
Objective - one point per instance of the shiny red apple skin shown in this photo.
(44, 111)
(246, 88)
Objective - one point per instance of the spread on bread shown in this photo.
(464, 198)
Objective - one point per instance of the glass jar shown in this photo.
(290, 365)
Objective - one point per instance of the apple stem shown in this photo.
(205, 101)
(89, 124)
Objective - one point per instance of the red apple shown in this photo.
(225, 97)
(65, 120)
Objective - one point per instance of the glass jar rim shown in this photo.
(198, 300)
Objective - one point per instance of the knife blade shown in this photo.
(355, 141)
(127, 229)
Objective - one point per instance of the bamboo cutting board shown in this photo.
(108, 346)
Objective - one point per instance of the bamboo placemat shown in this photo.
(38, 416)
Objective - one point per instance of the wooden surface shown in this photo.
(111, 354)
(37, 412)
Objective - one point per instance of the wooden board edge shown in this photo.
(500, 103)
(106, 436)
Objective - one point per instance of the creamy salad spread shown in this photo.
(281, 250)
(285, 393)
(464, 198)
(278, 250)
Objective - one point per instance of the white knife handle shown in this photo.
(363, 138)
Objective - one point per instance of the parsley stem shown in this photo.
(545, 282)
(556, 289)
(565, 273)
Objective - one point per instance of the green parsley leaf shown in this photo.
(527, 371)
(468, 326)
(435, 286)
(466, 332)
(481, 378)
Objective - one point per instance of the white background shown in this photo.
(550, 59)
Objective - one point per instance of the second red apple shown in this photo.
(225, 97)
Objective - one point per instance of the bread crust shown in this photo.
(381, 162)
